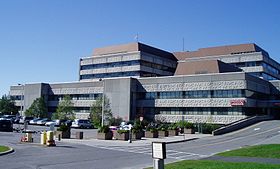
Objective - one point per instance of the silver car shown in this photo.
(81, 123)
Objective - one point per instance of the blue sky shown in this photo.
(42, 41)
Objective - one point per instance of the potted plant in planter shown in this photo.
(173, 130)
(162, 130)
(189, 128)
(104, 133)
(64, 131)
(151, 132)
(137, 131)
(122, 135)
(186, 127)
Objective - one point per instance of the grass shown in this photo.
(4, 148)
(205, 164)
(264, 151)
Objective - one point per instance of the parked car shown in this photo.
(125, 125)
(25, 118)
(34, 121)
(42, 121)
(80, 123)
(9, 117)
(52, 122)
(6, 125)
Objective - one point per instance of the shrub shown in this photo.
(208, 128)
(115, 121)
(172, 126)
(151, 129)
(63, 127)
(137, 127)
(122, 131)
(185, 124)
(104, 129)
(163, 127)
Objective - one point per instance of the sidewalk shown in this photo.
(144, 141)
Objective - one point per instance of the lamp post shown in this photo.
(103, 100)
(21, 99)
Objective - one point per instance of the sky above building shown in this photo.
(42, 41)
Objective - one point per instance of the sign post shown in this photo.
(159, 154)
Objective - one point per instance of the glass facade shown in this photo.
(270, 69)
(201, 111)
(192, 94)
(92, 96)
(108, 75)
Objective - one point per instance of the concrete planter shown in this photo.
(163, 133)
(122, 136)
(188, 131)
(105, 136)
(63, 134)
(137, 136)
(173, 132)
(149, 134)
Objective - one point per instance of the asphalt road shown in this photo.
(69, 155)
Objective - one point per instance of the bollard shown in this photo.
(43, 138)
(28, 137)
(50, 140)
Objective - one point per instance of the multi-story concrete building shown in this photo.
(129, 60)
(214, 85)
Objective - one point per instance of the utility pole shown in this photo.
(103, 100)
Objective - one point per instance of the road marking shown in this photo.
(238, 138)
(179, 155)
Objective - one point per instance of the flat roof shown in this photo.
(130, 47)
(219, 50)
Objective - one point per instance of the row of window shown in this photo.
(17, 97)
(257, 63)
(76, 97)
(127, 63)
(110, 65)
(108, 75)
(75, 109)
(202, 111)
(268, 77)
(192, 94)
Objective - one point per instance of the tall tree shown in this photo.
(37, 109)
(96, 111)
(64, 109)
(7, 106)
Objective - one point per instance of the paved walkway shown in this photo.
(143, 141)
(143, 146)
(245, 159)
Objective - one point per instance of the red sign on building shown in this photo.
(239, 102)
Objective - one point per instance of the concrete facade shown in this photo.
(222, 95)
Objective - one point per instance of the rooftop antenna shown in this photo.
(136, 38)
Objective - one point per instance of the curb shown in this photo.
(180, 141)
(7, 152)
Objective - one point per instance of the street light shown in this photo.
(103, 100)
(21, 99)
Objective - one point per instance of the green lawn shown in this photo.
(205, 164)
(265, 151)
(4, 148)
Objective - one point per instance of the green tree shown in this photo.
(64, 109)
(37, 109)
(7, 106)
(96, 111)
